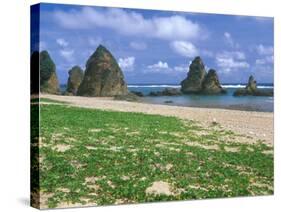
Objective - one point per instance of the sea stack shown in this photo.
(211, 83)
(74, 80)
(195, 77)
(252, 90)
(198, 81)
(48, 78)
(103, 76)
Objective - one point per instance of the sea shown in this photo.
(226, 101)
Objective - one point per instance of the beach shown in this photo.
(255, 126)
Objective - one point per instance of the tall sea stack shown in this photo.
(103, 76)
(195, 77)
(48, 78)
(198, 81)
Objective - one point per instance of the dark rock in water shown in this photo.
(166, 92)
(211, 84)
(48, 78)
(252, 90)
(168, 101)
(131, 97)
(252, 84)
(195, 77)
(103, 76)
(138, 93)
(74, 80)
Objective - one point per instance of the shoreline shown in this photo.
(238, 107)
(258, 125)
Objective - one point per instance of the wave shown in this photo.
(154, 86)
(178, 86)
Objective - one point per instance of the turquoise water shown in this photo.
(228, 101)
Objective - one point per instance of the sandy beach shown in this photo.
(258, 125)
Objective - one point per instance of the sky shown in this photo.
(154, 46)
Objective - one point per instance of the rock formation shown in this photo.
(103, 76)
(252, 90)
(195, 77)
(166, 92)
(211, 84)
(48, 78)
(252, 84)
(198, 81)
(74, 80)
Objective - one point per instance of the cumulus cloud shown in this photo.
(229, 61)
(138, 45)
(264, 50)
(67, 54)
(127, 64)
(129, 23)
(266, 60)
(184, 48)
(158, 66)
(61, 42)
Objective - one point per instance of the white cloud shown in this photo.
(127, 64)
(181, 68)
(61, 42)
(184, 48)
(138, 45)
(239, 55)
(229, 40)
(229, 61)
(266, 60)
(158, 66)
(264, 50)
(129, 23)
(67, 54)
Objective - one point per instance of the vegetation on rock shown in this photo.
(48, 78)
(103, 76)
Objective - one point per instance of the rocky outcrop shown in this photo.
(74, 80)
(198, 81)
(166, 92)
(48, 78)
(252, 90)
(103, 76)
(195, 77)
(211, 84)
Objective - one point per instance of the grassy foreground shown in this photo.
(95, 157)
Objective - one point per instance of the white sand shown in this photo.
(258, 125)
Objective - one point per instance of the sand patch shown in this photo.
(61, 147)
(231, 149)
(94, 130)
(208, 147)
(159, 188)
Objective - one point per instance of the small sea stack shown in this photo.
(251, 89)
(211, 84)
(103, 76)
(74, 80)
(48, 77)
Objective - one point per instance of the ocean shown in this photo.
(227, 101)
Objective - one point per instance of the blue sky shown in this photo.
(157, 46)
